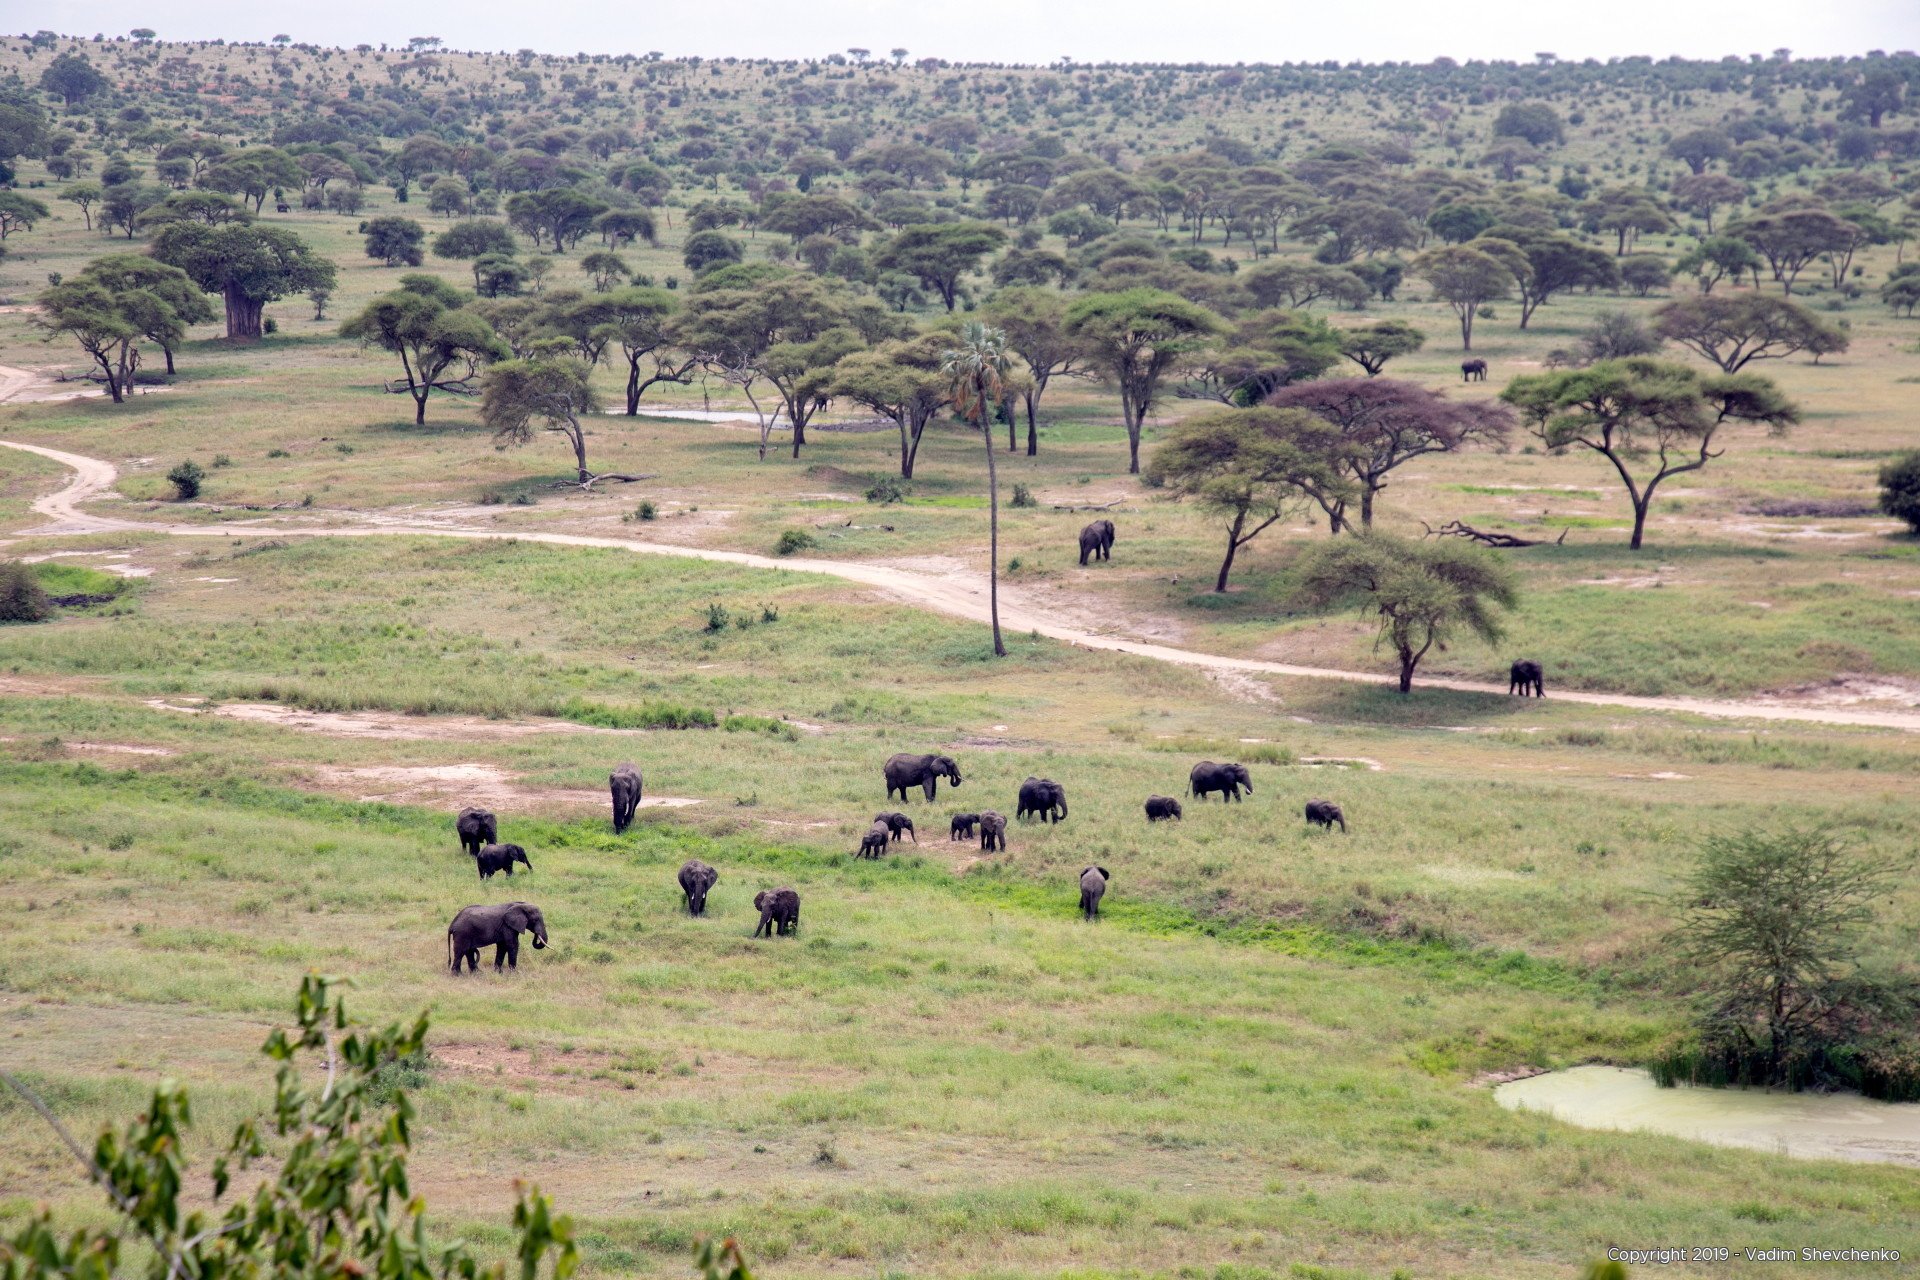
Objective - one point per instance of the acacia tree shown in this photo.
(1791, 238)
(1387, 423)
(976, 372)
(939, 254)
(1732, 330)
(426, 324)
(102, 323)
(183, 304)
(1253, 467)
(1467, 279)
(641, 321)
(1375, 344)
(18, 212)
(1551, 263)
(1035, 322)
(902, 381)
(544, 392)
(1424, 594)
(248, 265)
(1135, 338)
(333, 1201)
(1629, 411)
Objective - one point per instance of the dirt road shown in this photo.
(959, 595)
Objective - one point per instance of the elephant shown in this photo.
(497, 925)
(1160, 808)
(961, 828)
(696, 878)
(1097, 540)
(475, 827)
(624, 782)
(1525, 677)
(1042, 798)
(1093, 887)
(1474, 370)
(779, 912)
(1325, 813)
(500, 857)
(925, 772)
(875, 842)
(896, 823)
(1224, 778)
(993, 832)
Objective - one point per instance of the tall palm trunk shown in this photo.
(993, 532)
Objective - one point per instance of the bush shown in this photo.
(717, 617)
(1900, 489)
(22, 599)
(645, 511)
(887, 491)
(186, 479)
(1023, 496)
(793, 540)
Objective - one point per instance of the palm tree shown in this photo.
(978, 368)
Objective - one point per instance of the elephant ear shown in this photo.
(516, 918)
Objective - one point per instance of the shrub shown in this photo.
(186, 479)
(717, 617)
(222, 460)
(1023, 496)
(887, 491)
(793, 540)
(645, 511)
(21, 597)
(1900, 489)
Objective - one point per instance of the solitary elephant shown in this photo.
(1160, 808)
(1474, 370)
(624, 782)
(475, 827)
(696, 878)
(874, 843)
(993, 832)
(1227, 779)
(500, 857)
(896, 823)
(961, 828)
(1325, 813)
(497, 925)
(1097, 540)
(1525, 677)
(779, 912)
(1042, 798)
(906, 770)
(1093, 887)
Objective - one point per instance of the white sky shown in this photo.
(1034, 31)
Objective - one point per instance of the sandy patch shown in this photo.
(1663, 775)
(466, 783)
(1243, 687)
(1344, 762)
(1848, 691)
(121, 748)
(378, 724)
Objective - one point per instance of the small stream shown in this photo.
(1813, 1126)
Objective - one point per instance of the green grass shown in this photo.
(59, 578)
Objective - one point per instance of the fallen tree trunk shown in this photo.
(1488, 538)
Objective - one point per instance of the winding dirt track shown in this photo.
(959, 596)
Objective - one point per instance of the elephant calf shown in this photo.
(1096, 540)
(993, 832)
(779, 912)
(1093, 887)
(1160, 808)
(500, 857)
(476, 827)
(1325, 813)
(961, 828)
(696, 878)
(896, 823)
(875, 842)
(624, 784)
(497, 925)
(1525, 677)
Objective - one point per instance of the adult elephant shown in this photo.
(1525, 677)
(908, 770)
(497, 925)
(1042, 798)
(1227, 779)
(696, 878)
(624, 782)
(1093, 887)
(476, 828)
(1097, 540)
(1474, 370)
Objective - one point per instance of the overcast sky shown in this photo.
(1039, 31)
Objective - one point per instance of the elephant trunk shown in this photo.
(539, 939)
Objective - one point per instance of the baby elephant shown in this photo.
(1096, 540)
(1093, 887)
(896, 823)
(1160, 808)
(1526, 678)
(874, 843)
(1325, 813)
(696, 878)
(475, 827)
(993, 832)
(779, 912)
(961, 828)
(500, 857)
